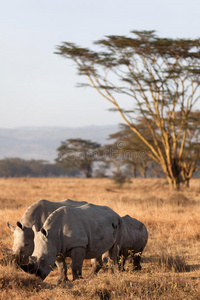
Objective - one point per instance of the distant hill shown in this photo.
(42, 142)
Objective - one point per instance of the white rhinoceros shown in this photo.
(131, 240)
(134, 241)
(36, 215)
(81, 232)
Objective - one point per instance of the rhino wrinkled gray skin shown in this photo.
(83, 232)
(35, 215)
(132, 241)
(135, 236)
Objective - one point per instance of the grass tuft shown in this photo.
(172, 262)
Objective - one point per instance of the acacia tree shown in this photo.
(191, 155)
(134, 152)
(159, 75)
(79, 154)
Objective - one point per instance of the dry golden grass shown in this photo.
(171, 259)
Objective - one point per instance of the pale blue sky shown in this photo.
(37, 87)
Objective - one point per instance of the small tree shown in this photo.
(112, 155)
(159, 75)
(79, 154)
(134, 151)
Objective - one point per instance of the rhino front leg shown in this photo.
(77, 255)
(62, 267)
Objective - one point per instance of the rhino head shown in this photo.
(23, 245)
(33, 267)
(43, 259)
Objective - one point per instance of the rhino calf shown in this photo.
(83, 232)
(131, 240)
(135, 236)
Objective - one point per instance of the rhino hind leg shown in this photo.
(137, 260)
(97, 264)
(77, 255)
(123, 255)
(62, 267)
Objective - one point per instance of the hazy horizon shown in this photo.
(42, 142)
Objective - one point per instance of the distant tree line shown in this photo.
(125, 156)
(17, 167)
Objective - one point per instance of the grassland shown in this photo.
(171, 259)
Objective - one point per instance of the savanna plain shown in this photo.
(170, 261)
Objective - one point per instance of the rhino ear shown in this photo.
(19, 224)
(12, 228)
(8, 251)
(44, 232)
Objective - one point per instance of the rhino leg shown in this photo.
(123, 255)
(136, 263)
(114, 253)
(77, 255)
(62, 267)
(113, 256)
(105, 259)
(97, 264)
(134, 257)
(137, 259)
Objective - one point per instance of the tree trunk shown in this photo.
(188, 182)
(187, 171)
(173, 173)
(88, 172)
(174, 183)
(134, 171)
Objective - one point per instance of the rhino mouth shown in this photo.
(18, 258)
(31, 269)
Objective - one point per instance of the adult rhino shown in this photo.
(132, 241)
(36, 215)
(83, 232)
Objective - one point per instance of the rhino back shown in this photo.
(39, 211)
(69, 202)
